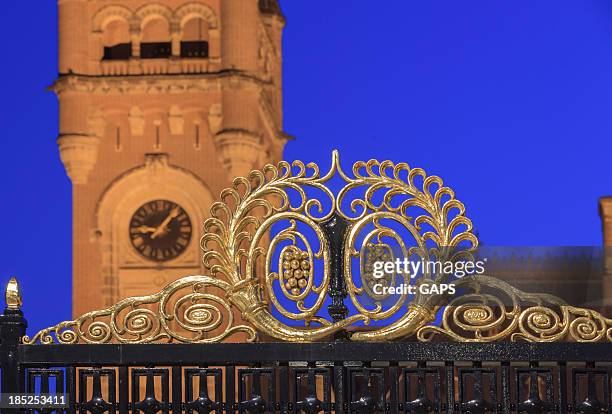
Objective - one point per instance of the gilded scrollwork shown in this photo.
(394, 188)
(235, 244)
(420, 216)
(184, 311)
(267, 255)
(492, 310)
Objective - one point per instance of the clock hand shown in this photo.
(162, 227)
(145, 229)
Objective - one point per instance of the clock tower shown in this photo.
(161, 103)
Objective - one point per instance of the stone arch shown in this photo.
(110, 13)
(194, 10)
(152, 11)
(156, 179)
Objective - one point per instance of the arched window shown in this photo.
(156, 40)
(195, 39)
(116, 40)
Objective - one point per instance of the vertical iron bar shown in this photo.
(284, 387)
(164, 391)
(562, 369)
(44, 382)
(82, 391)
(112, 391)
(124, 392)
(393, 387)
(59, 383)
(273, 400)
(176, 389)
(450, 387)
(31, 383)
(71, 388)
(327, 391)
(312, 384)
(339, 387)
(12, 327)
(230, 393)
(505, 383)
(437, 393)
(218, 377)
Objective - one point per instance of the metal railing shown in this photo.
(339, 377)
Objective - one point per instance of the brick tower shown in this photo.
(161, 104)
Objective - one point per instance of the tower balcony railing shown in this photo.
(156, 59)
(154, 66)
(191, 65)
(115, 67)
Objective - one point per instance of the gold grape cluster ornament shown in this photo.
(296, 270)
(376, 253)
(273, 267)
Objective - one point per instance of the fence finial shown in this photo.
(13, 295)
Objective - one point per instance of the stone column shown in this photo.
(239, 34)
(239, 145)
(74, 27)
(135, 38)
(214, 47)
(175, 33)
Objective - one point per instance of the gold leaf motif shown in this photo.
(274, 218)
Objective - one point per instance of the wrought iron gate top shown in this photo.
(301, 271)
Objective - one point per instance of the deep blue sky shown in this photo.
(509, 101)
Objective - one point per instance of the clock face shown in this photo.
(160, 230)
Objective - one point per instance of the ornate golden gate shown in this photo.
(281, 249)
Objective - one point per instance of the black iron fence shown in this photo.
(307, 377)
